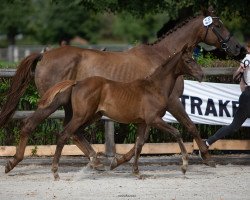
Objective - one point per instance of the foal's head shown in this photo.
(182, 63)
(188, 66)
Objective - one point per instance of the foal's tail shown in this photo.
(50, 94)
(19, 83)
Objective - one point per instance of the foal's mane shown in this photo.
(166, 62)
(172, 30)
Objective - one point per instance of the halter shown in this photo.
(208, 22)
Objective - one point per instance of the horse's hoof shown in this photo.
(116, 161)
(99, 167)
(105, 160)
(206, 159)
(184, 169)
(8, 167)
(209, 162)
(96, 164)
(140, 176)
(113, 164)
(56, 176)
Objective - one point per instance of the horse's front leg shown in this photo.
(28, 127)
(176, 108)
(162, 125)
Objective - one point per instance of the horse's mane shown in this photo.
(172, 30)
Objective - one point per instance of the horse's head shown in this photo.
(187, 64)
(216, 34)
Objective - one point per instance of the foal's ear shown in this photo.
(211, 11)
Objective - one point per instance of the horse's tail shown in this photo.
(18, 85)
(50, 94)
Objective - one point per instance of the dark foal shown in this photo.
(142, 102)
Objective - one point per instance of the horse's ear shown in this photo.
(208, 12)
(211, 11)
(204, 11)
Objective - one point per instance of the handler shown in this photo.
(243, 111)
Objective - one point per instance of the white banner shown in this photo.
(210, 103)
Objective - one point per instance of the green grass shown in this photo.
(7, 64)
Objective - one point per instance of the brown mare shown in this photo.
(72, 63)
(142, 102)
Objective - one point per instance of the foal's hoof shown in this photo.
(8, 166)
(117, 160)
(114, 163)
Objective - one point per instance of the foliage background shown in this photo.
(50, 21)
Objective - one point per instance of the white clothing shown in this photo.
(246, 73)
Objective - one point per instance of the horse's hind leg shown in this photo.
(177, 110)
(69, 129)
(162, 125)
(30, 124)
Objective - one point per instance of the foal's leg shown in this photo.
(79, 139)
(29, 126)
(81, 142)
(95, 162)
(142, 128)
(142, 136)
(176, 108)
(162, 125)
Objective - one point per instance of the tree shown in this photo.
(63, 21)
(229, 10)
(49, 21)
(14, 15)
